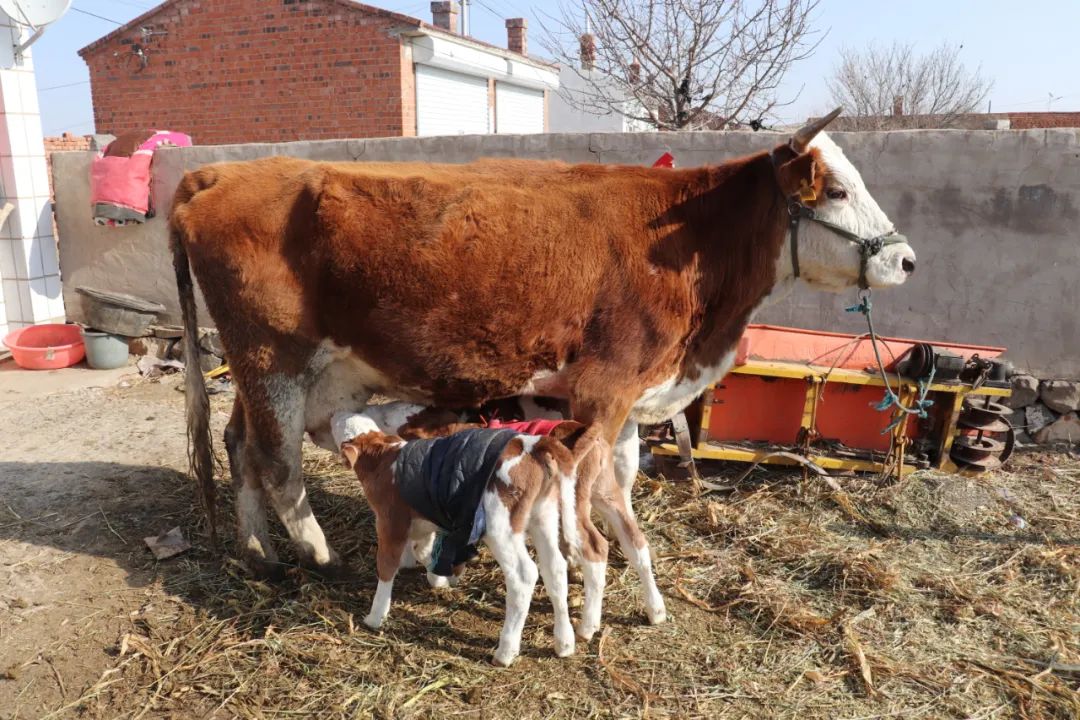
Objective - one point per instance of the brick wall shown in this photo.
(1030, 120)
(971, 121)
(233, 71)
(65, 143)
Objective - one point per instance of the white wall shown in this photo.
(29, 268)
(565, 116)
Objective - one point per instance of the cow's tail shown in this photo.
(200, 451)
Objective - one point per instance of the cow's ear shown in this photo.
(802, 178)
(350, 453)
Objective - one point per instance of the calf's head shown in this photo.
(842, 237)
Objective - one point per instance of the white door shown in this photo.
(450, 103)
(518, 109)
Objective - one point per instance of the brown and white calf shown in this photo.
(535, 489)
(610, 498)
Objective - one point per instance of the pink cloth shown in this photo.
(527, 427)
(124, 182)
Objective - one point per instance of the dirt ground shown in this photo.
(937, 597)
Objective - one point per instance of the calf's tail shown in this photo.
(564, 460)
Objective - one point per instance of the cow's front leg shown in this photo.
(252, 530)
(276, 413)
(626, 457)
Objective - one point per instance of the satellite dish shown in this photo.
(35, 13)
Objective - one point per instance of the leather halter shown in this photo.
(868, 246)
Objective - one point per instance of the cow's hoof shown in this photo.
(336, 569)
(373, 622)
(264, 569)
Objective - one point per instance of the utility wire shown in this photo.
(67, 85)
(99, 17)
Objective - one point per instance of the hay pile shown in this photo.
(930, 598)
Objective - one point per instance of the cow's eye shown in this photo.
(835, 193)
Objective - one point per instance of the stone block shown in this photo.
(1038, 417)
(1066, 429)
(211, 342)
(1025, 391)
(1061, 396)
(152, 346)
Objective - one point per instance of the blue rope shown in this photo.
(891, 399)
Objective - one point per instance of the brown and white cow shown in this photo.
(622, 289)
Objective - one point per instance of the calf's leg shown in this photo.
(619, 516)
(544, 531)
(594, 556)
(393, 536)
(520, 574)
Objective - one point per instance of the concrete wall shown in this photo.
(992, 215)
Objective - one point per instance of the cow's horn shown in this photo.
(802, 137)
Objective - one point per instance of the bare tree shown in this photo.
(680, 64)
(893, 87)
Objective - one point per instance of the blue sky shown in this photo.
(1029, 50)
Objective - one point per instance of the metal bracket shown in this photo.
(686, 446)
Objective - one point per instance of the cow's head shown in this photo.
(844, 239)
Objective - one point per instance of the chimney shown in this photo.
(444, 15)
(898, 105)
(516, 40)
(588, 51)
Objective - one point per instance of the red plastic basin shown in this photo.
(46, 347)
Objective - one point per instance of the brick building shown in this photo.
(233, 71)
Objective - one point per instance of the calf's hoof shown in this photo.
(586, 632)
(438, 581)
(504, 658)
(373, 622)
(656, 615)
(564, 647)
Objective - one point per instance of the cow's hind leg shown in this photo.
(252, 530)
(278, 466)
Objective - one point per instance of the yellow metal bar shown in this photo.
(948, 433)
(219, 370)
(706, 416)
(799, 371)
(809, 412)
(714, 451)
